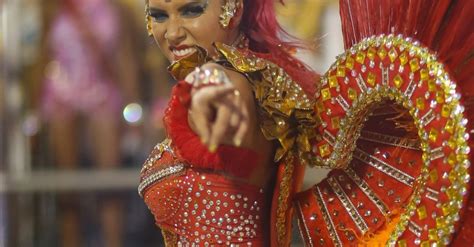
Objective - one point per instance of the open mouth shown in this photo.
(180, 52)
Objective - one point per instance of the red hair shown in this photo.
(268, 38)
(260, 25)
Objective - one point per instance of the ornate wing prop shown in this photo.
(395, 126)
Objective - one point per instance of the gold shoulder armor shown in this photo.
(286, 111)
(242, 61)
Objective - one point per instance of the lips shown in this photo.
(182, 51)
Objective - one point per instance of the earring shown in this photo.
(148, 20)
(228, 11)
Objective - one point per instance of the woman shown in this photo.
(390, 118)
(238, 108)
(85, 80)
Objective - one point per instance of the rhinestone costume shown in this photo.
(394, 125)
(182, 183)
(202, 208)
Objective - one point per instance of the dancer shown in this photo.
(241, 105)
(392, 123)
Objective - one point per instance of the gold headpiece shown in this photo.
(148, 19)
(228, 11)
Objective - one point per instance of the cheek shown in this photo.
(158, 35)
(205, 32)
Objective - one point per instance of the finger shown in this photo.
(209, 93)
(203, 108)
(242, 127)
(234, 119)
(191, 77)
(236, 114)
(200, 116)
(220, 126)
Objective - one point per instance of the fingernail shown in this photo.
(203, 140)
(237, 142)
(213, 148)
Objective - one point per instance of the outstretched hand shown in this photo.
(218, 114)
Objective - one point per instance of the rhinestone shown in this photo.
(381, 183)
(417, 241)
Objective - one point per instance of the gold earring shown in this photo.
(148, 20)
(228, 11)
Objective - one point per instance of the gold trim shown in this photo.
(303, 222)
(285, 187)
(390, 140)
(170, 238)
(367, 191)
(160, 148)
(384, 167)
(159, 175)
(327, 218)
(348, 205)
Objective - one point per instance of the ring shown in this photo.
(208, 77)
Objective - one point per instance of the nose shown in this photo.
(175, 32)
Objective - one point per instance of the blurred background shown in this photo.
(82, 94)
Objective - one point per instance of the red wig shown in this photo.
(260, 25)
(268, 38)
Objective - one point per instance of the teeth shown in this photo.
(183, 52)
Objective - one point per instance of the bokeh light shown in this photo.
(133, 113)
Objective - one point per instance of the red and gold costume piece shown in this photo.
(184, 184)
(394, 117)
(200, 207)
(390, 116)
(407, 165)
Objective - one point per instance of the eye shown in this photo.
(192, 11)
(158, 16)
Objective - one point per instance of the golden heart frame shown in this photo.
(399, 69)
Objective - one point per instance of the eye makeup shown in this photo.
(188, 10)
(193, 9)
(158, 15)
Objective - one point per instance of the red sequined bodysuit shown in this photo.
(189, 198)
(186, 187)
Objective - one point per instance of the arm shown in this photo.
(225, 116)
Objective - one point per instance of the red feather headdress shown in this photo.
(408, 63)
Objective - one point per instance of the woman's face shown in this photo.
(177, 25)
